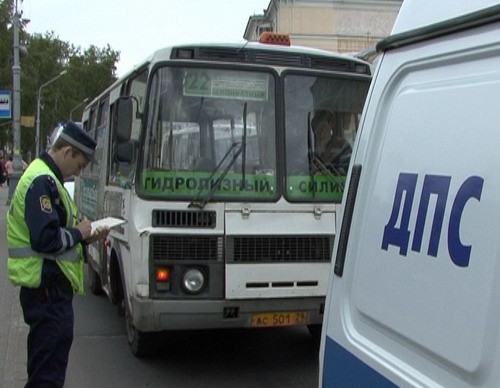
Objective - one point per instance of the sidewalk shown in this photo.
(13, 330)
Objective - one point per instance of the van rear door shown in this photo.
(414, 298)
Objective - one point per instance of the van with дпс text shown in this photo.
(413, 293)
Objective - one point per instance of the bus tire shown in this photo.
(94, 281)
(315, 331)
(141, 344)
(117, 292)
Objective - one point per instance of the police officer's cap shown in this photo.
(79, 139)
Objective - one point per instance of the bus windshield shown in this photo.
(210, 134)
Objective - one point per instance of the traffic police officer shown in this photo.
(45, 242)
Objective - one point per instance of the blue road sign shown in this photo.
(5, 104)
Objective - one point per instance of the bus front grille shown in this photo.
(196, 248)
(243, 249)
(183, 219)
(279, 249)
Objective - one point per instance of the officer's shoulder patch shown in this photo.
(45, 204)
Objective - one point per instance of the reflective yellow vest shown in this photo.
(25, 264)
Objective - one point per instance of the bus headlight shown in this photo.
(193, 280)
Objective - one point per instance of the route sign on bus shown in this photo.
(205, 83)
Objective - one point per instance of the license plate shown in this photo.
(290, 318)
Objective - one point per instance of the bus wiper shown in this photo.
(310, 149)
(199, 109)
(201, 204)
(244, 147)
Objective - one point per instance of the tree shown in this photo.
(89, 71)
(96, 66)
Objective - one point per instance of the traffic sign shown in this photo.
(5, 104)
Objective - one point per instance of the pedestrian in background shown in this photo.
(9, 168)
(46, 253)
(3, 170)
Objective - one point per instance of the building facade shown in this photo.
(344, 26)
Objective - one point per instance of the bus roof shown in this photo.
(166, 53)
(238, 52)
(254, 53)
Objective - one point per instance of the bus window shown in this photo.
(180, 146)
(90, 126)
(122, 173)
(226, 131)
(321, 119)
(100, 134)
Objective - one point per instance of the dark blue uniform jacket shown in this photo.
(47, 227)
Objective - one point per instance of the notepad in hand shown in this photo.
(108, 222)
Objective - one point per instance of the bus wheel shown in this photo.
(95, 281)
(142, 344)
(315, 331)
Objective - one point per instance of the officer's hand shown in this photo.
(99, 234)
(85, 228)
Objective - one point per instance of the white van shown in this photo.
(414, 295)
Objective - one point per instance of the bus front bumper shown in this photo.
(150, 315)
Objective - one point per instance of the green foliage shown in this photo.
(89, 71)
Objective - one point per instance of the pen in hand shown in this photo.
(85, 228)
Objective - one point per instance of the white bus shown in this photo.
(209, 153)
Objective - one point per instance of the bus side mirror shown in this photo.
(123, 119)
(125, 151)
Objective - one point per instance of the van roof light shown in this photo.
(275, 38)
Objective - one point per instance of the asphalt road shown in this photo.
(222, 358)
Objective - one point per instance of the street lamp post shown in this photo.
(38, 103)
(76, 107)
(16, 117)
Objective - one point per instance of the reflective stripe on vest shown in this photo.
(21, 253)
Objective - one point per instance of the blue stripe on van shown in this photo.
(342, 369)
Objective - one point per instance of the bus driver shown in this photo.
(329, 143)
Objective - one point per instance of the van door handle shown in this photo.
(346, 220)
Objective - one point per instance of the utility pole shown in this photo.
(16, 102)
